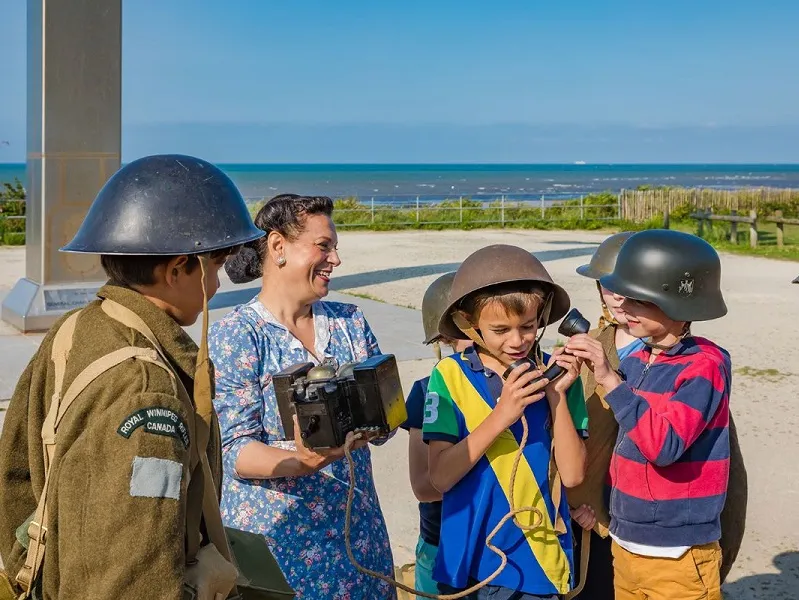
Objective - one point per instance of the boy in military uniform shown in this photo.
(671, 462)
(131, 482)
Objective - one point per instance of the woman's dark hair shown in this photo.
(285, 214)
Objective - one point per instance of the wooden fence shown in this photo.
(706, 218)
(642, 205)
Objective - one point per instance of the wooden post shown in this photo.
(701, 220)
(780, 230)
(502, 211)
(542, 206)
(666, 217)
(734, 228)
(753, 229)
(417, 209)
(460, 201)
(582, 214)
(373, 209)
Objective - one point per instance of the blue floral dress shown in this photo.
(302, 518)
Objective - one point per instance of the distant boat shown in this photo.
(579, 162)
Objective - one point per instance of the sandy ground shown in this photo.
(759, 332)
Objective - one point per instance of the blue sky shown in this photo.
(412, 81)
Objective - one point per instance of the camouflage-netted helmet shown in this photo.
(495, 265)
(434, 303)
(604, 258)
(678, 272)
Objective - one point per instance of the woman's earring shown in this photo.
(281, 260)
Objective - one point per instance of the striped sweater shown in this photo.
(671, 462)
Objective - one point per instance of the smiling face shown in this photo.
(305, 263)
(645, 320)
(508, 335)
(614, 302)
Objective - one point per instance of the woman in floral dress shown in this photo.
(293, 496)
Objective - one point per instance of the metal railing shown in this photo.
(456, 211)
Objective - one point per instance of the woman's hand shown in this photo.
(314, 460)
(591, 350)
(517, 393)
(569, 362)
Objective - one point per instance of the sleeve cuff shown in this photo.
(230, 453)
(431, 436)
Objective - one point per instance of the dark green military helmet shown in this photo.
(605, 256)
(678, 272)
(434, 303)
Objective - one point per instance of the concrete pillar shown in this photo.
(73, 144)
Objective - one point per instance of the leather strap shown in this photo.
(585, 551)
(37, 530)
(210, 505)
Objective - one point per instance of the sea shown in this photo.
(401, 183)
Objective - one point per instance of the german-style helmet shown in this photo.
(604, 258)
(678, 272)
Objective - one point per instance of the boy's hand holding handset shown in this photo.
(570, 363)
(522, 388)
(590, 350)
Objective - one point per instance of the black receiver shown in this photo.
(572, 324)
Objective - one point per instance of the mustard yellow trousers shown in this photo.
(693, 576)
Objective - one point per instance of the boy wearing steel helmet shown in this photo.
(434, 303)
(502, 298)
(671, 461)
(587, 499)
(124, 494)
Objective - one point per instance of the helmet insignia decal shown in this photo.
(686, 287)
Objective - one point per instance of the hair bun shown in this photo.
(244, 266)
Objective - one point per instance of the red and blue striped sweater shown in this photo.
(671, 462)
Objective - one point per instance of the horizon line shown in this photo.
(477, 164)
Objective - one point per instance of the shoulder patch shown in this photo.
(157, 420)
(156, 478)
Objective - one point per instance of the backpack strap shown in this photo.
(37, 530)
(210, 505)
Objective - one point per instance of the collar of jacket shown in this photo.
(177, 344)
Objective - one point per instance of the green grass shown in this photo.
(770, 374)
(374, 299)
(719, 237)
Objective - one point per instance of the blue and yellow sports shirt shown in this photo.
(460, 395)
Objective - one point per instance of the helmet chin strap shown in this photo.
(202, 374)
(607, 318)
(686, 332)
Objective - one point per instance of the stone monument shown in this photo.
(74, 103)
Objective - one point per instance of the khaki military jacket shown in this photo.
(123, 480)
(602, 433)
